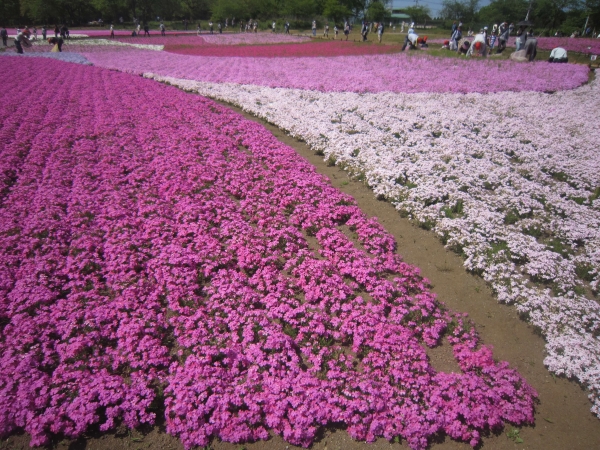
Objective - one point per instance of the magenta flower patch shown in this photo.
(161, 254)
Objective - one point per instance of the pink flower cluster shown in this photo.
(169, 256)
(579, 45)
(367, 73)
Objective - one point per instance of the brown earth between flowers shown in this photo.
(563, 417)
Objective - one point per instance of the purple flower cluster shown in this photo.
(367, 73)
(172, 256)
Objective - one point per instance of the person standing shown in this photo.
(146, 29)
(456, 36)
(364, 31)
(4, 35)
(314, 28)
(335, 31)
(326, 30)
(273, 26)
(287, 27)
(380, 31)
(56, 30)
(530, 48)
(211, 27)
(198, 32)
(503, 33)
(220, 27)
(454, 27)
(44, 32)
(347, 29)
(112, 31)
(162, 29)
(138, 29)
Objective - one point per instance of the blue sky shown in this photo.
(434, 5)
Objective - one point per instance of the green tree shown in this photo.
(222, 9)
(498, 11)
(550, 14)
(465, 10)
(334, 10)
(419, 14)
(377, 11)
(300, 8)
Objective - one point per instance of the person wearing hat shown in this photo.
(479, 45)
(21, 39)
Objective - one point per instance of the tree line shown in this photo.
(79, 12)
(548, 16)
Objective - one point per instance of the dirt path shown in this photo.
(563, 417)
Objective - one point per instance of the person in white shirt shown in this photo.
(411, 39)
(481, 49)
(558, 55)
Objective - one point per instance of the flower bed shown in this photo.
(171, 256)
(515, 190)
(252, 38)
(368, 73)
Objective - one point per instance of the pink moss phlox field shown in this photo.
(367, 73)
(170, 257)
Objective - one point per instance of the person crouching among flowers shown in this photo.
(58, 43)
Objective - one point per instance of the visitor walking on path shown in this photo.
(138, 29)
(211, 27)
(273, 26)
(335, 31)
(146, 30)
(287, 28)
(162, 29)
(4, 35)
(220, 27)
(347, 30)
(364, 31)
(112, 32)
(44, 31)
(314, 28)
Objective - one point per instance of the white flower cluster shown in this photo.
(510, 180)
(105, 43)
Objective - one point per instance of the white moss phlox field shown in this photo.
(508, 179)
